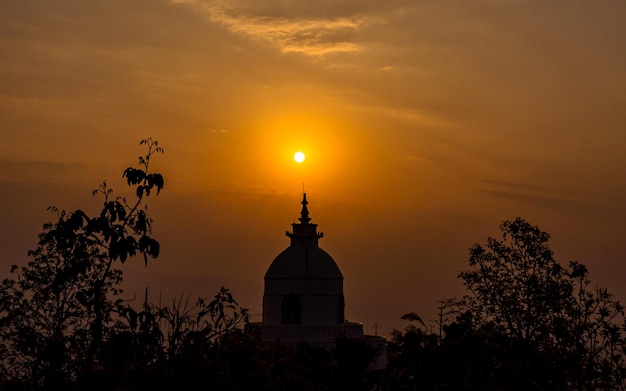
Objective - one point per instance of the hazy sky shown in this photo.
(425, 124)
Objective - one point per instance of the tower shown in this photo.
(303, 285)
(303, 297)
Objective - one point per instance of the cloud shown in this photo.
(407, 114)
(218, 130)
(413, 158)
(315, 36)
(532, 194)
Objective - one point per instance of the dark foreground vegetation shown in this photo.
(526, 323)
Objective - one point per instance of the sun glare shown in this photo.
(298, 157)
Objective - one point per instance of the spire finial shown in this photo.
(304, 218)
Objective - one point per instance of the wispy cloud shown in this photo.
(218, 130)
(311, 36)
(533, 194)
(407, 114)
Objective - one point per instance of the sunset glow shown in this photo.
(425, 124)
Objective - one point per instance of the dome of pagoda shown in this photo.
(304, 261)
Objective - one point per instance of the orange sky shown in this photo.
(425, 124)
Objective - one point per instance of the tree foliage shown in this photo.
(56, 311)
(162, 344)
(516, 286)
(526, 323)
(123, 227)
(173, 327)
(46, 310)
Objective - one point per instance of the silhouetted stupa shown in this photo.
(303, 298)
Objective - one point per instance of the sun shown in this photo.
(298, 157)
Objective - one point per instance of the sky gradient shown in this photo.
(425, 124)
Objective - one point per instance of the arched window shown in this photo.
(341, 310)
(291, 309)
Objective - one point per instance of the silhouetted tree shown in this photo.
(181, 344)
(187, 346)
(413, 357)
(549, 311)
(46, 310)
(121, 230)
(55, 312)
(527, 323)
